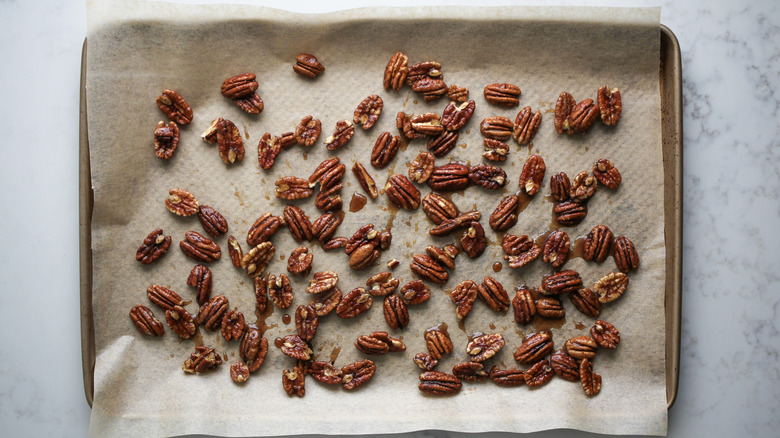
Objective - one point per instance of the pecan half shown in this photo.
(532, 175)
(180, 321)
(482, 347)
(200, 279)
(402, 192)
(423, 70)
(455, 116)
(341, 135)
(586, 301)
(610, 105)
(308, 131)
(166, 140)
(563, 108)
(364, 235)
(597, 244)
(365, 180)
(252, 104)
(263, 229)
(494, 295)
(382, 284)
(495, 150)
(534, 347)
(540, 373)
(524, 257)
(582, 116)
(295, 347)
(291, 188)
(556, 248)
(294, 382)
(200, 248)
(515, 245)
(561, 282)
(212, 221)
(605, 334)
(239, 86)
(426, 362)
(560, 186)
(211, 313)
(457, 93)
(504, 216)
(415, 292)
(253, 348)
(364, 256)
(487, 176)
(426, 124)
(145, 321)
(357, 373)
(153, 247)
(626, 257)
(474, 241)
(308, 66)
(449, 177)
(175, 107)
(445, 256)
(523, 305)
(503, 94)
(565, 366)
(182, 203)
(163, 297)
(203, 359)
(438, 208)
(464, 295)
(509, 378)
(404, 125)
(497, 127)
(591, 382)
(384, 150)
(395, 312)
(267, 150)
(306, 322)
(422, 167)
(526, 125)
(299, 261)
(443, 143)
(550, 307)
(462, 220)
(396, 71)
(438, 341)
(280, 290)
(611, 287)
(439, 383)
(322, 282)
(226, 135)
(239, 372)
(379, 343)
(368, 111)
(569, 213)
(470, 371)
(298, 223)
(261, 294)
(329, 201)
(429, 269)
(233, 325)
(325, 372)
(581, 347)
(430, 88)
(326, 302)
(354, 303)
(256, 260)
(335, 243)
(583, 187)
(606, 173)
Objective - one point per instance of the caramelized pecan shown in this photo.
(335, 243)
(540, 373)
(569, 213)
(597, 244)
(534, 347)
(153, 247)
(563, 108)
(402, 192)
(560, 186)
(253, 348)
(357, 373)
(395, 312)
(175, 107)
(474, 241)
(429, 269)
(280, 290)
(163, 297)
(494, 295)
(470, 371)
(396, 72)
(267, 150)
(582, 116)
(443, 143)
(561, 282)
(341, 135)
(497, 127)
(308, 131)
(430, 88)
(368, 111)
(226, 135)
(379, 343)
(464, 295)
(263, 229)
(239, 372)
(504, 216)
(212, 221)
(422, 167)
(426, 124)
(515, 245)
(256, 260)
(233, 325)
(526, 125)
(449, 177)
(482, 347)
(509, 378)
(611, 286)
(550, 307)
(438, 341)
(502, 94)
(415, 292)
(180, 321)
(294, 381)
(211, 313)
(166, 140)
(445, 256)
(605, 334)
(325, 372)
(145, 321)
(586, 301)
(565, 366)
(610, 105)
(322, 282)
(487, 176)
(354, 303)
(292, 188)
(298, 223)
(591, 382)
(306, 322)
(403, 122)
(261, 294)
(626, 257)
(457, 93)
(299, 261)
(382, 284)
(424, 70)
(239, 86)
(455, 116)
(556, 248)
(308, 66)
(424, 361)
(438, 383)
(524, 257)
(200, 279)
(182, 203)
(203, 359)
(200, 248)
(365, 180)
(295, 347)
(581, 347)
(583, 187)
(532, 175)
(523, 305)
(495, 150)
(364, 235)
(326, 302)
(438, 208)
(606, 173)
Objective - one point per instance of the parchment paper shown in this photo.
(137, 49)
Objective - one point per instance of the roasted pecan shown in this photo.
(591, 382)
(287, 140)
(379, 343)
(211, 313)
(253, 348)
(524, 257)
(239, 372)
(606, 173)
(495, 150)
(422, 167)
(256, 260)
(182, 203)
(605, 334)
(368, 111)
(166, 140)
(364, 256)
(382, 284)
(295, 347)
(470, 371)
(457, 93)
(180, 321)
(267, 150)
(200, 279)
(393, 263)
(364, 235)
(438, 208)
(251, 104)
(300, 261)
(402, 192)
(586, 301)
(565, 366)
(145, 321)
(327, 173)
(534, 347)
(611, 286)
(474, 241)
(526, 125)
(540, 373)
(455, 116)
(556, 248)
(582, 116)
(443, 143)
(226, 135)
(429, 269)
(292, 188)
(354, 303)
(426, 124)
(322, 282)
(326, 302)
(438, 341)
(494, 295)
(306, 322)
(445, 256)
(263, 229)
(569, 213)
(583, 187)
(550, 307)
(335, 243)
(203, 359)
(308, 66)
(487, 176)
(294, 381)
(563, 108)
(532, 175)
(626, 257)
(449, 177)
(497, 127)
(426, 69)
(508, 378)
(560, 186)
(482, 347)
(175, 107)
(404, 125)
(396, 72)
(597, 244)
(308, 131)
(239, 86)
(610, 105)
(523, 305)
(325, 372)
(341, 135)
(464, 295)
(426, 362)
(212, 221)
(438, 383)
(395, 312)
(365, 180)
(233, 325)
(415, 292)
(153, 247)
(163, 297)
(357, 373)
(280, 290)
(261, 294)
(504, 216)
(329, 201)
(200, 248)
(502, 94)
(561, 282)
(384, 150)
(462, 220)
(430, 88)
(515, 245)
(581, 347)
(298, 223)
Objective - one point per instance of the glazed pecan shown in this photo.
(308, 131)
(524, 257)
(426, 362)
(200, 279)
(335, 243)
(253, 348)
(556, 248)
(280, 290)
(626, 257)
(180, 321)
(583, 187)
(368, 111)
(203, 359)
(267, 150)
(457, 93)
(438, 208)
(233, 325)
(175, 107)
(145, 321)
(291, 188)
(606, 173)
(610, 105)
(597, 244)
(261, 294)
(364, 256)
(422, 167)
(429, 269)
(495, 150)
(487, 176)
(532, 175)
(200, 248)
(295, 347)
(426, 124)
(591, 382)
(474, 241)
(226, 135)
(404, 125)
(382, 284)
(402, 192)
(395, 312)
(322, 282)
(550, 307)
(449, 177)
(605, 334)
(212, 221)
(163, 297)
(464, 295)
(263, 229)
(415, 292)
(482, 347)
(308, 66)
(611, 286)
(430, 88)
(540, 373)
(153, 247)
(560, 186)
(523, 305)
(239, 86)
(503, 94)
(565, 366)
(166, 140)
(470, 371)
(504, 216)
(534, 347)
(516, 245)
(581, 347)
(384, 150)
(438, 383)
(445, 256)
(366, 234)
(586, 301)
(300, 261)
(582, 116)
(239, 372)
(354, 303)
(494, 295)
(298, 223)
(251, 104)
(329, 201)
(365, 180)
(211, 313)
(526, 125)
(563, 108)
(325, 372)
(509, 378)
(182, 203)
(287, 140)
(379, 343)
(256, 260)
(294, 382)
(327, 172)
(561, 282)
(438, 341)
(306, 322)
(341, 135)
(455, 116)
(569, 213)
(423, 70)
(396, 72)
(326, 302)
(443, 143)
(357, 373)
(497, 127)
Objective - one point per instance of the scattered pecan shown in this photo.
(365, 180)
(426, 124)
(424, 70)
(384, 150)
(426, 362)
(267, 150)
(253, 348)
(366, 234)
(561, 282)
(298, 223)
(256, 260)
(287, 140)
(212, 221)
(582, 116)
(280, 290)
(295, 347)
(166, 140)
(422, 167)
(404, 124)
(327, 170)
(395, 312)
(443, 143)
(438, 341)
(610, 105)
(532, 175)
(357, 373)
(292, 188)
(560, 186)
(474, 241)
(503, 94)
(294, 382)
(308, 131)
(200, 279)
(200, 248)
(523, 305)
(251, 104)
(329, 201)
(180, 321)
(455, 116)
(306, 322)
(565, 366)
(591, 382)
(261, 294)
(239, 372)
(382, 284)
(379, 343)
(526, 125)
(470, 371)
(402, 192)
(341, 135)
(516, 245)
(569, 213)
(325, 372)
(300, 261)
(354, 303)
(605, 334)
(182, 203)
(550, 307)
(438, 208)
(308, 66)
(597, 244)
(495, 150)
(438, 383)
(396, 72)
(494, 295)
(457, 93)
(203, 359)
(504, 216)
(556, 248)
(364, 256)
(606, 173)
(444, 256)
(611, 286)
(322, 282)
(482, 347)
(368, 111)
(563, 108)
(534, 347)
(449, 177)
(242, 90)
(335, 243)
(163, 297)
(211, 313)
(524, 257)
(487, 176)
(233, 325)
(430, 88)
(583, 187)
(509, 378)
(263, 229)
(464, 295)
(581, 347)
(226, 135)
(153, 247)
(415, 292)
(428, 269)
(586, 301)
(175, 107)
(540, 373)
(145, 321)
(497, 127)
(326, 302)
(626, 257)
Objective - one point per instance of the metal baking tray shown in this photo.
(670, 77)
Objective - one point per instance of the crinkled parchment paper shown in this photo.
(137, 49)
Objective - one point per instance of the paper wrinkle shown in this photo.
(136, 49)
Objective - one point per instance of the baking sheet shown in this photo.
(270, 375)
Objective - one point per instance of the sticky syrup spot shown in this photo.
(357, 203)
(286, 318)
(497, 266)
(579, 325)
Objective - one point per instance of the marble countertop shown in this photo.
(729, 372)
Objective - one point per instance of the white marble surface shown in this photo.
(729, 373)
